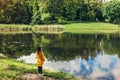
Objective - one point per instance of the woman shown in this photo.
(40, 59)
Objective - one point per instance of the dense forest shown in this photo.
(58, 11)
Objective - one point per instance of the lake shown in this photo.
(89, 56)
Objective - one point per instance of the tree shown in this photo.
(6, 10)
(36, 17)
(112, 11)
(91, 10)
(13, 11)
(21, 12)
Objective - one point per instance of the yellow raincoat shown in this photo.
(40, 59)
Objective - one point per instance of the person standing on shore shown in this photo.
(40, 59)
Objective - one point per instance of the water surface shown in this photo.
(93, 56)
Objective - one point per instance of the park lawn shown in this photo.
(73, 27)
(10, 69)
(91, 27)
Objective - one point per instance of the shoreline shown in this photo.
(80, 27)
(8, 69)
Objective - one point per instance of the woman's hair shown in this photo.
(39, 49)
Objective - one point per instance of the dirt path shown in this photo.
(31, 76)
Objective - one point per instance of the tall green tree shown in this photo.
(92, 10)
(6, 10)
(44, 10)
(55, 9)
(36, 17)
(71, 12)
(21, 12)
(112, 11)
(15, 11)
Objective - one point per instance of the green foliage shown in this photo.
(36, 17)
(112, 11)
(57, 11)
(54, 9)
(14, 11)
(92, 10)
(45, 18)
(6, 11)
(21, 14)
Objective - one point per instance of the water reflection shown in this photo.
(102, 67)
(16, 45)
(111, 45)
(93, 56)
(70, 46)
(63, 47)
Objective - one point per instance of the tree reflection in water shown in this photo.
(15, 45)
(60, 47)
(95, 55)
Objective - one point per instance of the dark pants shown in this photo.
(40, 69)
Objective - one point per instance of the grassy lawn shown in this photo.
(73, 27)
(91, 27)
(10, 69)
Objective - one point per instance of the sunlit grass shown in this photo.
(96, 25)
(72, 27)
(13, 70)
(13, 25)
(91, 27)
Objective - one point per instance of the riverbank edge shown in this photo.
(13, 70)
(79, 27)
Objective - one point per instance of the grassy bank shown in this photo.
(20, 28)
(73, 27)
(91, 27)
(10, 69)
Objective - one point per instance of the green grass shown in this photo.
(72, 27)
(91, 27)
(11, 69)
(13, 25)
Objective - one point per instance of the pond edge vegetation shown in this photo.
(73, 27)
(13, 70)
